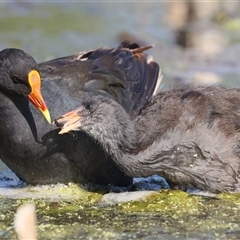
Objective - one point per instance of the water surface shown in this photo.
(49, 30)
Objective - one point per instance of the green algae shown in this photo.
(166, 213)
(232, 24)
(167, 201)
(71, 212)
(180, 212)
(59, 207)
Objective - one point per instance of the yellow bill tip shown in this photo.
(66, 129)
(35, 96)
(46, 114)
(63, 131)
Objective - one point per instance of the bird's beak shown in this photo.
(69, 122)
(35, 96)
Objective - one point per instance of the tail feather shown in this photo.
(130, 75)
(144, 74)
(125, 73)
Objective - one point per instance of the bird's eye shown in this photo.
(89, 106)
(16, 79)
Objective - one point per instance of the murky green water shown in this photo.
(48, 30)
(163, 215)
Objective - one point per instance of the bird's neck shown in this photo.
(122, 144)
(161, 155)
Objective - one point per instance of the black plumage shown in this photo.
(32, 148)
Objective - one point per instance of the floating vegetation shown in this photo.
(161, 214)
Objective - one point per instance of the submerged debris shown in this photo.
(25, 222)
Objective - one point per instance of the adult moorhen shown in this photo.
(31, 147)
(188, 136)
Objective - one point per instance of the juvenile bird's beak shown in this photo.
(69, 122)
(35, 96)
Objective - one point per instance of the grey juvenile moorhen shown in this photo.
(31, 147)
(188, 136)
